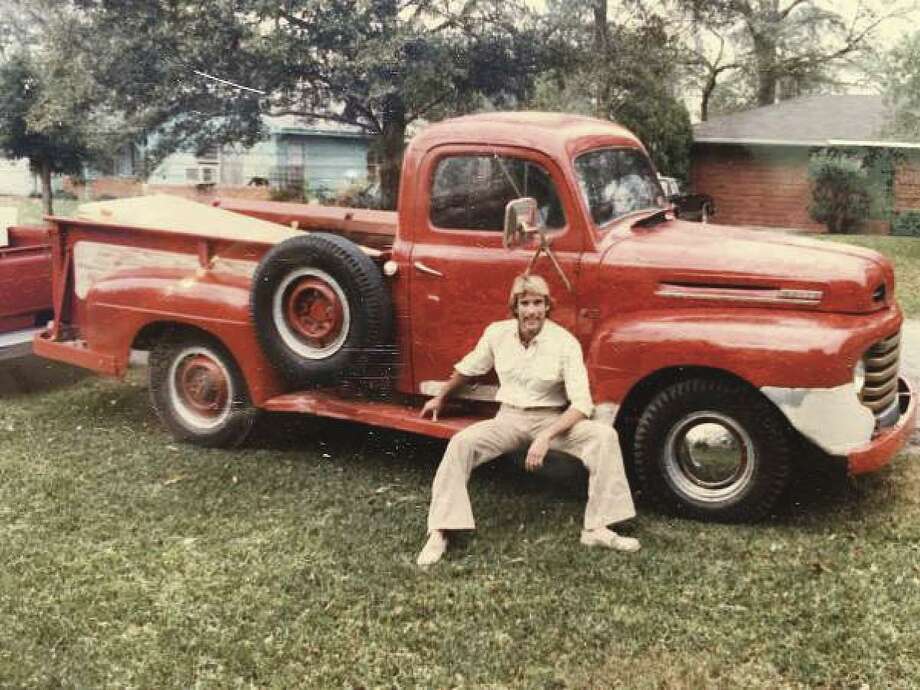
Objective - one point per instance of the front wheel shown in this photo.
(713, 450)
(199, 393)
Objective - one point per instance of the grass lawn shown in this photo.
(131, 561)
(904, 252)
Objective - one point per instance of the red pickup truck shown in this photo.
(719, 353)
(25, 287)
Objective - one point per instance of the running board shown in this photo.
(373, 412)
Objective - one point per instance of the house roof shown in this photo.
(830, 120)
(291, 124)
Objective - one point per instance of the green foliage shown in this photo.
(627, 77)
(747, 54)
(376, 65)
(906, 224)
(288, 193)
(59, 144)
(900, 70)
(840, 194)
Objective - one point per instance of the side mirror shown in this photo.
(521, 219)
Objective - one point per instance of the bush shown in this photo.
(840, 193)
(906, 224)
(286, 194)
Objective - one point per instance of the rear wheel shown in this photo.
(713, 450)
(198, 391)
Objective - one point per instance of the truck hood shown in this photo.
(754, 267)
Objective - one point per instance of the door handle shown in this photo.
(427, 269)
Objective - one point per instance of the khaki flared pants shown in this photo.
(595, 444)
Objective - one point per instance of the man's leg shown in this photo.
(609, 497)
(450, 501)
(467, 450)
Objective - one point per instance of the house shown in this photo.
(755, 163)
(293, 156)
(17, 178)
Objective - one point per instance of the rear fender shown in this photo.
(131, 310)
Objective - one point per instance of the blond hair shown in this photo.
(535, 285)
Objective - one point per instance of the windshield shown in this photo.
(615, 182)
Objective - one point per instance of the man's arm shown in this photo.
(536, 454)
(476, 363)
(434, 405)
(578, 391)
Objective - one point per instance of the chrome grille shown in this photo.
(880, 391)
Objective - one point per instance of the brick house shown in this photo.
(755, 163)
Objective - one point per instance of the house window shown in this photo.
(207, 174)
(208, 155)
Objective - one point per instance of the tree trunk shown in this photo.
(46, 187)
(600, 26)
(393, 141)
(601, 43)
(765, 56)
(708, 88)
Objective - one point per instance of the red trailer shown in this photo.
(25, 287)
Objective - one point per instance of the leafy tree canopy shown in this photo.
(761, 51)
(376, 64)
(901, 77)
(621, 69)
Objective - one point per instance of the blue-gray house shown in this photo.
(315, 157)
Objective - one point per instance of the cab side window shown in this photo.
(470, 192)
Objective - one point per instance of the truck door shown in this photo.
(460, 273)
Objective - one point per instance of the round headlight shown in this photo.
(859, 376)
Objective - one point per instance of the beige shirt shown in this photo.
(549, 373)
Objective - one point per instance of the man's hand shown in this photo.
(433, 406)
(537, 452)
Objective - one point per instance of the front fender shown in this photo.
(763, 347)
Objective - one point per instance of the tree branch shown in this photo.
(322, 116)
(795, 3)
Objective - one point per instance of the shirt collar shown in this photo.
(533, 341)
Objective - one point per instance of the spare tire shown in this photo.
(320, 308)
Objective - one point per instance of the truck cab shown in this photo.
(718, 353)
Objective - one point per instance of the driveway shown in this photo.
(910, 361)
(910, 349)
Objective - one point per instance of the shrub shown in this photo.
(840, 192)
(906, 224)
(289, 193)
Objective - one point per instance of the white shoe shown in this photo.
(433, 550)
(609, 539)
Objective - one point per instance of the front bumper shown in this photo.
(878, 452)
(835, 421)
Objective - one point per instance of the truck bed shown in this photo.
(375, 229)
